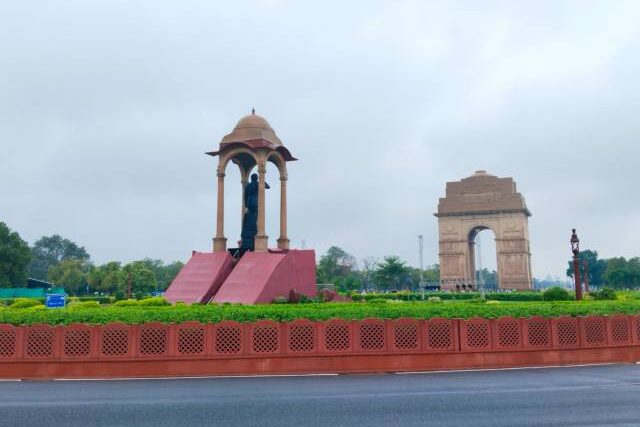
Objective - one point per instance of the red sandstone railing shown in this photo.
(301, 338)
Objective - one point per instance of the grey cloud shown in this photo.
(107, 108)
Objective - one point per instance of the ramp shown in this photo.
(200, 278)
(259, 277)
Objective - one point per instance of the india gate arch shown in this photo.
(477, 203)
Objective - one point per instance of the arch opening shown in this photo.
(483, 259)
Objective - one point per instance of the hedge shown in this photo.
(278, 312)
(417, 296)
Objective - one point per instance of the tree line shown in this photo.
(616, 273)
(66, 264)
(341, 269)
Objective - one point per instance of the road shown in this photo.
(574, 396)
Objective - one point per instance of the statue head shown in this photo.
(254, 177)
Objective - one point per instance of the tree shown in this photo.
(369, 267)
(14, 258)
(142, 278)
(595, 266)
(105, 278)
(489, 277)
(352, 282)
(164, 273)
(49, 251)
(432, 275)
(71, 274)
(335, 263)
(621, 273)
(392, 274)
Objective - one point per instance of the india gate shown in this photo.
(477, 203)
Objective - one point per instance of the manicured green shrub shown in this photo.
(604, 294)
(211, 313)
(25, 303)
(84, 304)
(100, 299)
(418, 296)
(126, 303)
(556, 294)
(153, 302)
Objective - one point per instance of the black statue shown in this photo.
(250, 220)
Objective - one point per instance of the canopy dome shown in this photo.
(254, 132)
(250, 128)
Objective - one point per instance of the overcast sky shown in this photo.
(107, 108)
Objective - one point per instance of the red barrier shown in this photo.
(336, 337)
(369, 345)
(403, 336)
(440, 335)
(475, 335)
(229, 339)
(507, 334)
(537, 333)
(593, 331)
(566, 332)
(370, 336)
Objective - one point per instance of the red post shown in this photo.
(575, 248)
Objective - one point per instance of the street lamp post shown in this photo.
(421, 255)
(575, 248)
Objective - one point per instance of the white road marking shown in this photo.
(332, 374)
(195, 377)
(518, 368)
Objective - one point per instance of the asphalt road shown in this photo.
(578, 396)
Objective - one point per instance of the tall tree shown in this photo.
(432, 275)
(369, 267)
(141, 276)
(595, 266)
(168, 273)
(164, 273)
(392, 274)
(489, 277)
(71, 274)
(352, 282)
(49, 251)
(14, 258)
(105, 278)
(335, 263)
(621, 273)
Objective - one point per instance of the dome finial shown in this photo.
(253, 111)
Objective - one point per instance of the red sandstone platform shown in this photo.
(258, 277)
(200, 278)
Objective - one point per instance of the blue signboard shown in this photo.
(54, 300)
